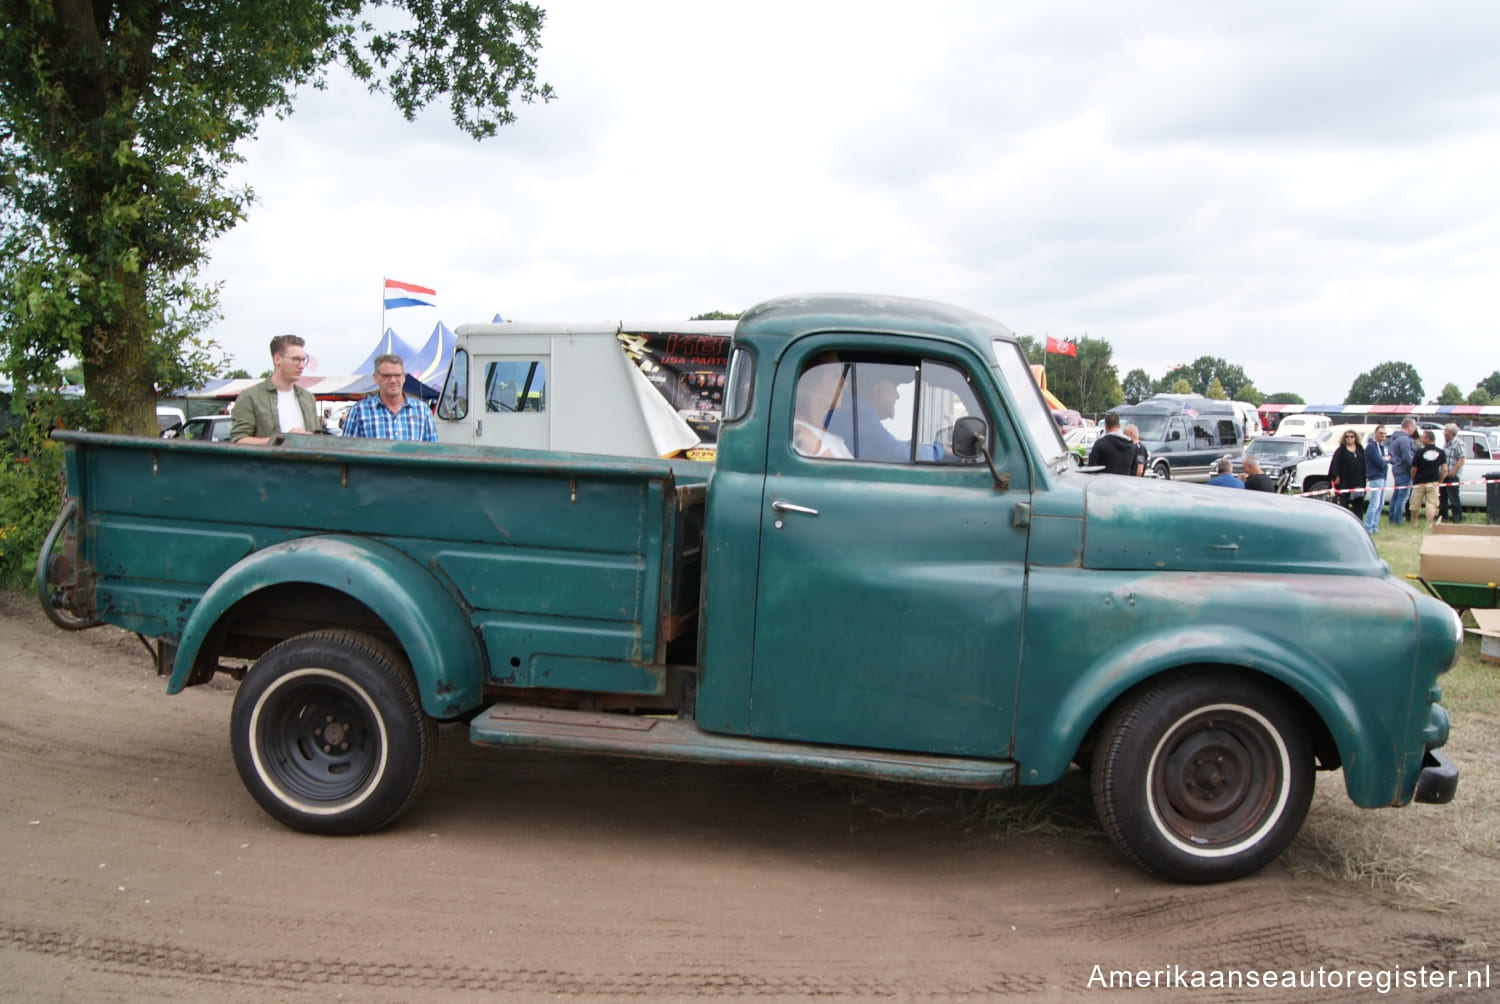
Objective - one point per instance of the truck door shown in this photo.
(891, 578)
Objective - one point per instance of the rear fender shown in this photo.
(428, 622)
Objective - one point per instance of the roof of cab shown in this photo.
(788, 317)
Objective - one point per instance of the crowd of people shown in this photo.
(1413, 468)
(278, 406)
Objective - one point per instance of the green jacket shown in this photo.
(254, 411)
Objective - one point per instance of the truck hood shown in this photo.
(1136, 524)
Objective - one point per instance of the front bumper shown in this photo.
(1438, 780)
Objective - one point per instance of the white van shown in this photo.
(620, 388)
(1302, 424)
(1249, 417)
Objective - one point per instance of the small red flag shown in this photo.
(1062, 348)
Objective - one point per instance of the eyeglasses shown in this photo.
(389, 376)
(296, 360)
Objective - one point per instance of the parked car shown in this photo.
(1303, 425)
(1079, 441)
(214, 428)
(1279, 456)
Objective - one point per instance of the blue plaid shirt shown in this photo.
(373, 420)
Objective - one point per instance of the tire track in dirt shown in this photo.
(160, 961)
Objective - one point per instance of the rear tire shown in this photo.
(329, 735)
(1203, 777)
(1163, 470)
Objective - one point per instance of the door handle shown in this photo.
(781, 505)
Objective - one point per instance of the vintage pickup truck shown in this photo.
(890, 570)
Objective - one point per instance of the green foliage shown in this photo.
(1388, 383)
(1450, 394)
(1491, 384)
(1215, 391)
(1033, 350)
(1480, 396)
(1181, 386)
(1283, 397)
(717, 315)
(237, 374)
(1137, 386)
(1250, 394)
(1204, 371)
(30, 494)
(119, 123)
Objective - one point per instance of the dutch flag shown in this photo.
(404, 294)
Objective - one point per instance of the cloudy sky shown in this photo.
(1306, 189)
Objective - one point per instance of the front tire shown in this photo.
(1163, 470)
(1203, 777)
(329, 735)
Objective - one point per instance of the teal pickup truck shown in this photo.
(891, 570)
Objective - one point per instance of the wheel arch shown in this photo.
(373, 582)
(1343, 730)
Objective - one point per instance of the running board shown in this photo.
(531, 727)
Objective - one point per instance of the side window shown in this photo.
(1203, 433)
(1174, 430)
(885, 410)
(1228, 435)
(453, 403)
(515, 385)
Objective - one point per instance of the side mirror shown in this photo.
(1175, 435)
(967, 434)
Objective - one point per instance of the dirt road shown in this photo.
(134, 866)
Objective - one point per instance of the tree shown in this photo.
(1450, 394)
(119, 120)
(1033, 350)
(1203, 371)
(1388, 383)
(1491, 384)
(1182, 386)
(1480, 396)
(1137, 386)
(237, 374)
(1215, 391)
(1250, 394)
(1283, 397)
(717, 315)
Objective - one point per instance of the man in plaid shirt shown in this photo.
(389, 413)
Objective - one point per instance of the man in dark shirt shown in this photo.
(1427, 470)
(1256, 479)
(1112, 451)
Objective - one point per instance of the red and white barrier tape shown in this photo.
(1386, 488)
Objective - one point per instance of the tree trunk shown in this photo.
(114, 364)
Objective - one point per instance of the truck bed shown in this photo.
(575, 571)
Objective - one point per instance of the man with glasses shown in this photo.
(389, 413)
(276, 405)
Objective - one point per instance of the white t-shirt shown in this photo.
(288, 411)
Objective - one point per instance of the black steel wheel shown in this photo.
(1203, 777)
(329, 735)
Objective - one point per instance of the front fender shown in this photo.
(1046, 743)
(427, 620)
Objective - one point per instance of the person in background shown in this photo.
(389, 413)
(1377, 472)
(1256, 479)
(1401, 450)
(1450, 509)
(1427, 470)
(276, 405)
(1224, 475)
(1346, 473)
(1142, 455)
(818, 391)
(1112, 451)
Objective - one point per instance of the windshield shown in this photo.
(1152, 428)
(1030, 408)
(1281, 451)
